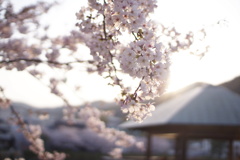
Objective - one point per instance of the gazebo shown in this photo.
(199, 111)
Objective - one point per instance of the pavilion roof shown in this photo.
(201, 104)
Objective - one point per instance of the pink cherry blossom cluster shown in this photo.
(37, 144)
(24, 42)
(14, 159)
(14, 46)
(69, 114)
(33, 134)
(92, 118)
(4, 101)
(104, 22)
(116, 153)
(192, 41)
(36, 132)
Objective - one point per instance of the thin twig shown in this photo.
(20, 121)
(135, 92)
(42, 61)
(134, 35)
(104, 27)
(109, 52)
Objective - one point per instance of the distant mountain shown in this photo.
(33, 115)
(233, 85)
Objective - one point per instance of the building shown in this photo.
(196, 112)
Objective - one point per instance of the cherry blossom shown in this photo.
(33, 135)
(4, 101)
(144, 57)
(104, 22)
(92, 118)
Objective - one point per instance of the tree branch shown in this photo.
(135, 92)
(42, 61)
(19, 119)
(134, 36)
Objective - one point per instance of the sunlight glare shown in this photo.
(221, 19)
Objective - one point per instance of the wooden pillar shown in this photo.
(149, 146)
(184, 148)
(177, 148)
(230, 150)
(180, 148)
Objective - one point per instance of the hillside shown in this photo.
(233, 85)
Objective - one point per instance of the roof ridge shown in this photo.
(170, 95)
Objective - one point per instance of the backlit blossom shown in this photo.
(139, 58)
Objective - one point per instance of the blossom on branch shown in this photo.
(143, 58)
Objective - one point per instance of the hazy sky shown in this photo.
(222, 61)
(220, 64)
